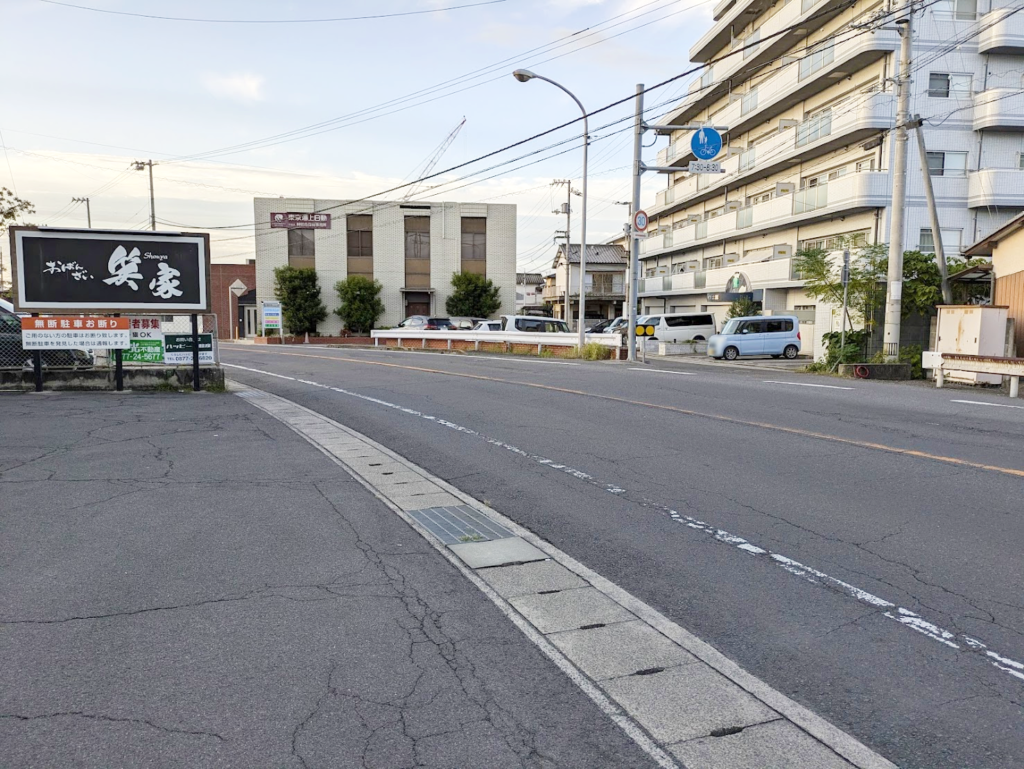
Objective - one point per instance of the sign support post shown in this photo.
(195, 353)
(37, 364)
(118, 367)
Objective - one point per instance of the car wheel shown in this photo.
(731, 353)
(790, 352)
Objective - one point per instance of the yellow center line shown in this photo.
(687, 412)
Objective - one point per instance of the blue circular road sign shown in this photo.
(706, 143)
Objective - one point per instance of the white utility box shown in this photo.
(972, 330)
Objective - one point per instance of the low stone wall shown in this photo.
(487, 346)
(313, 340)
(889, 371)
(149, 378)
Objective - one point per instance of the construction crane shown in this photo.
(433, 160)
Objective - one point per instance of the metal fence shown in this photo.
(167, 346)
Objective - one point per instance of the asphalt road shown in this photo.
(186, 582)
(854, 544)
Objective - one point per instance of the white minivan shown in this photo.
(680, 326)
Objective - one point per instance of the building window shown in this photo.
(1020, 160)
(961, 10)
(474, 245)
(301, 248)
(950, 241)
(942, 85)
(836, 242)
(806, 5)
(749, 101)
(866, 165)
(761, 197)
(752, 40)
(744, 218)
(814, 128)
(747, 158)
(947, 164)
(707, 78)
(810, 198)
(820, 57)
(417, 252)
(360, 245)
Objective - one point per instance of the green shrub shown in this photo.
(595, 351)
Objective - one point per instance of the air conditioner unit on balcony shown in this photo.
(784, 188)
(783, 251)
(735, 97)
(728, 259)
(692, 266)
(735, 151)
(788, 60)
(785, 123)
(661, 272)
(732, 205)
(694, 218)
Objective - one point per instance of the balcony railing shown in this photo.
(553, 293)
(773, 272)
(855, 191)
(999, 109)
(1001, 32)
(824, 133)
(789, 86)
(995, 187)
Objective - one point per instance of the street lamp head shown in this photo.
(522, 75)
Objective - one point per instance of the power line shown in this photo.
(271, 21)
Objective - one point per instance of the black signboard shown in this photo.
(76, 271)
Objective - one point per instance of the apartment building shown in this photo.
(809, 148)
(412, 248)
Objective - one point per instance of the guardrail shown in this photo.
(975, 364)
(522, 342)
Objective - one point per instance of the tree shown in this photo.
(299, 292)
(360, 303)
(744, 308)
(11, 207)
(474, 296)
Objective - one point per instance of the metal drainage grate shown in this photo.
(455, 525)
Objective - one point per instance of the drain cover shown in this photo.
(454, 525)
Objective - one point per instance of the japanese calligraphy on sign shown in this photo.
(300, 221)
(116, 272)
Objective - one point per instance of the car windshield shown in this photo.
(732, 326)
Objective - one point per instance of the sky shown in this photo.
(329, 108)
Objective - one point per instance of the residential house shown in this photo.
(605, 282)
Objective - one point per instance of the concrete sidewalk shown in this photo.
(185, 581)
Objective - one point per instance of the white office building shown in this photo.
(412, 248)
(808, 152)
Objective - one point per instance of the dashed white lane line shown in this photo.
(661, 371)
(806, 384)
(905, 617)
(986, 403)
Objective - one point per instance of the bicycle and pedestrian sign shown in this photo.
(706, 143)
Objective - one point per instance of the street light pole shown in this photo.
(522, 75)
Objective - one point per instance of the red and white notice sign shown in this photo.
(66, 332)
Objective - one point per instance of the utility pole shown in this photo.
(634, 241)
(139, 165)
(894, 296)
(88, 213)
(933, 212)
(567, 210)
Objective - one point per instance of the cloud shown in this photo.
(244, 87)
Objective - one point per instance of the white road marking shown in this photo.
(467, 357)
(986, 403)
(806, 384)
(906, 618)
(662, 371)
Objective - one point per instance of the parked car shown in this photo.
(610, 326)
(13, 355)
(463, 323)
(681, 326)
(534, 324)
(426, 323)
(488, 326)
(775, 335)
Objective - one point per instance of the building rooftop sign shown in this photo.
(302, 221)
(110, 271)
